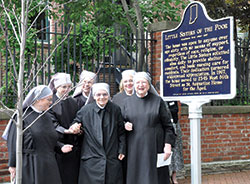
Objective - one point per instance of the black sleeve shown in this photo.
(11, 144)
(58, 147)
(57, 125)
(121, 133)
(78, 118)
(167, 124)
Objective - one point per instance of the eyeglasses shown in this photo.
(65, 87)
(87, 82)
(101, 94)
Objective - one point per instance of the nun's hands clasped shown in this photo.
(75, 128)
(68, 131)
(167, 151)
(128, 126)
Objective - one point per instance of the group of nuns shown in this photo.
(87, 138)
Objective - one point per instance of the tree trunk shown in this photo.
(140, 37)
(138, 31)
(19, 141)
(141, 51)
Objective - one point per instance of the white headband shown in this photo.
(86, 74)
(100, 86)
(142, 75)
(126, 73)
(59, 79)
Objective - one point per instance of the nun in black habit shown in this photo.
(62, 114)
(103, 145)
(126, 90)
(39, 141)
(82, 93)
(144, 111)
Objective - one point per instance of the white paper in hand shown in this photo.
(160, 160)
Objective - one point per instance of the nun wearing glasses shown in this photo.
(103, 145)
(143, 112)
(62, 114)
(82, 93)
(39, 140)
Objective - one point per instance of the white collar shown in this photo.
(129, 94)
(83, 94)
(141, 96)
(100, 106)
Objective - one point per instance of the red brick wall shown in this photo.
(156, 58)
(224, 137)
(4, 173)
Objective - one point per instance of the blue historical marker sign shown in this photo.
(198, 57)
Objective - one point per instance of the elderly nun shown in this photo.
(62, 114)
(39, 140)
(82, 91)
(104, 142)
(143, 112)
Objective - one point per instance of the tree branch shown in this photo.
(13, 27)
(130, 21)
(18, 21)
(26, 87)
(34, 21)
(9, 49)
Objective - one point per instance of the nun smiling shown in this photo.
(104, 140)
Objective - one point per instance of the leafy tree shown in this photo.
(136, 14)
(239, 9)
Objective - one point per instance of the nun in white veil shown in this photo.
(62, 114)
(126, 87)
(104, 141)
(82, 93)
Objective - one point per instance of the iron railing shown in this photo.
(115, 51)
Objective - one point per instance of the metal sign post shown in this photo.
(195, 114)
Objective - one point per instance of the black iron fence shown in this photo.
(71, 49)
(109, 51)
(242, 65)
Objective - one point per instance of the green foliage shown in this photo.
(88, 42)
(8, 91)
(161, 10)
(107, 13)
(240, 9)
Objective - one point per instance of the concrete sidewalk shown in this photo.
(229, 178)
